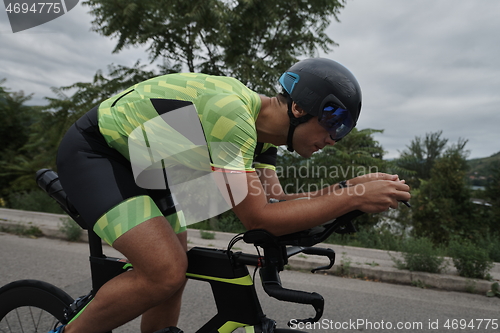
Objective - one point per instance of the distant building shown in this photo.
(480, 202)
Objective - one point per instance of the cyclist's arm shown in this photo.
(290, 216)
(273, 188)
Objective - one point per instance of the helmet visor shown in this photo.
(337, 121)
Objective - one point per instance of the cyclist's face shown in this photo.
(311, 137)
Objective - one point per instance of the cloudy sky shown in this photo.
(424, 66)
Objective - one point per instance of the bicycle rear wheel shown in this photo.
(31, 306)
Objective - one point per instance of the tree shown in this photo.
(442, 206)
(47, 127)
(16, 119)
(493, 195)
(251, 40)
(416, 162)
(15, 130)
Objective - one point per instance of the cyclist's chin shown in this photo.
(306, 153)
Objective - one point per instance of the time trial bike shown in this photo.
(37, 306)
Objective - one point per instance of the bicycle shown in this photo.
(43, 306)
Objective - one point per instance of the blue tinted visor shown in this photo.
(337, 121)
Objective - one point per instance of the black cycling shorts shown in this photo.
(100, 184)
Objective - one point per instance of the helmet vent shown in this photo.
(288, 81)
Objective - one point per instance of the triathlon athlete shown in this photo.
(238, 131)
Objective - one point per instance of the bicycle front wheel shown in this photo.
(31, 306)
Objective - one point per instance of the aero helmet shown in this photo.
(326, 89)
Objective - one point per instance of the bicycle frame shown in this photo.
(228, 281)
(225, 271)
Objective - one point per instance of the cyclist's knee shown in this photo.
(164, 279)
(158, 257)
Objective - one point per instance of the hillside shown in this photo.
(479, 168)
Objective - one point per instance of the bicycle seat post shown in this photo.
(95, 244)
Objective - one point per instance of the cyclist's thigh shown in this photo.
(154, 250)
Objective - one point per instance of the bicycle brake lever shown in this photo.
(329, 253)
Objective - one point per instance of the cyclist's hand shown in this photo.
(380, 195)
(372, 177)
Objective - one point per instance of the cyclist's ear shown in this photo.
(297, 110)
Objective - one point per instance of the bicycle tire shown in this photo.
(31, 306)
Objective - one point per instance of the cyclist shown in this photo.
(319, 105)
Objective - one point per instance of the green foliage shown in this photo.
(35, 200)
(15, 130)
(86, 95)
(23, 230)
(493, 195)
(70, 229)
(373, 238)
(442, 205)
(469, 259)
(344, 269)
(226, 222)
(49, 123)
(357, 154)
(416, 162)
(16, 120)
(491, 243)
(419, 254)
(495, 290)
(253, 41)
(207, 234)
(480, 169)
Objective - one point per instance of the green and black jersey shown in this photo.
(226, 108)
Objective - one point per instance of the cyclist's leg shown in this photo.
(100, 183)
(167, 313)
(160, 264)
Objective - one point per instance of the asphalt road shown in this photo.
(351, 305)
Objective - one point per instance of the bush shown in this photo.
(71, 229)
(23, 230)
(226, 222)
(494, 291)
(207, 234)
(491, 242)
(469, 259)
(369, 237)
(35, 201)
(419, 254)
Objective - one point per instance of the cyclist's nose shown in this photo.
(329, 141)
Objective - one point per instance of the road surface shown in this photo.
(351, 305)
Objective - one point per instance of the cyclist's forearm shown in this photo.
(311, 194)
(296, 215)
(273, 188)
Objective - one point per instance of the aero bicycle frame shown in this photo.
(224, 270)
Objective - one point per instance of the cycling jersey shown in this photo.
(227, 110)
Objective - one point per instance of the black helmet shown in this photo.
(326, 89)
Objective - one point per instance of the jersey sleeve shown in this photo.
(230, 132)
